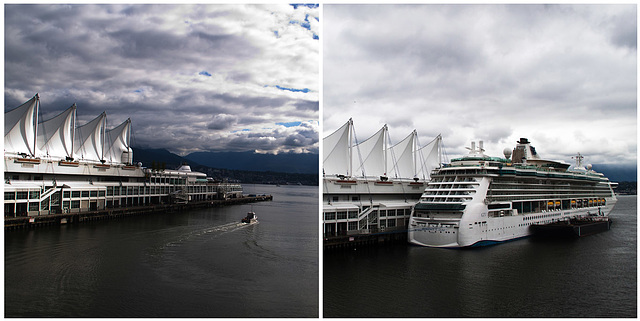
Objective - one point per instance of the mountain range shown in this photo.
(285, 163)
(244, 167)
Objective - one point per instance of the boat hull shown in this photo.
(474, 230)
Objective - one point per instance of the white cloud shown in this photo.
(563, 76)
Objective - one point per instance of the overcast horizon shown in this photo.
(563, 76)
(190, 77)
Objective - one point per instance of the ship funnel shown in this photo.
(481, 145)
(473, 146)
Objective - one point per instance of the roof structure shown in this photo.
(20, 128)
(59, 138)
(55, 136)
(374, 158)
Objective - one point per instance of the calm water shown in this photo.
(193, 264)
(595, 276)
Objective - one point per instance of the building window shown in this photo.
(33, 206)
(75, 204)
(22, 195)
(330, 216)
(75, 194)
(353, 214)
(34, 194)
(93, 193)
(101, 193)
(66, 194)
(9, 196)
(342, 215)
(44, 205)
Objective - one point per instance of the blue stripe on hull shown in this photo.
(493, 242)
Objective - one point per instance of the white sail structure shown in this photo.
(401, 164)
(373, 158)
(89, 139)
(371, 155)
(55, 136)
(117, 144)
(429, 158)
(337, 151)
(20, 128)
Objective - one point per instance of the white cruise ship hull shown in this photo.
(475, 230)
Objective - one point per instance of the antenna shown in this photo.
(578, 159)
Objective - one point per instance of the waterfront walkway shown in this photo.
(121, 212)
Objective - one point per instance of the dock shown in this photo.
(389, 236)
(572, 228)
(22, 222)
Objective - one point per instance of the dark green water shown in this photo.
(193, 264)
(594, 276)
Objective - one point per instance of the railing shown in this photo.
(47, 193)
(363, 218)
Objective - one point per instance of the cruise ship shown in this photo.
(54, 167)
(371, 186)
(480, 200)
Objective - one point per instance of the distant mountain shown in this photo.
(618, 173)
(284, 163)
(161, 158)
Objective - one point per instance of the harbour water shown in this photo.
(200, 263)
(594, 276)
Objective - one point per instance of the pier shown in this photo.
(391, 236)
(11, 223)
(577, 227)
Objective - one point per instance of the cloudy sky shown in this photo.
(562, 76)
(190, 77)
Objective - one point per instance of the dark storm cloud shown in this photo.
(222, 122)
(187, 76)
(306, 105)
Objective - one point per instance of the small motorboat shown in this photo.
(250, 218)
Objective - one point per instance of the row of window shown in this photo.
(343, 215)
(113, 191)
(167, 180)
(353, 226)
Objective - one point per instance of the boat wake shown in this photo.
(212, 230)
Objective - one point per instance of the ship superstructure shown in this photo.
(371, 186)
(479, 200)
(54, 166)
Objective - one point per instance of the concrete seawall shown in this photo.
(11, 223)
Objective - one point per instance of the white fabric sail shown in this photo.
(55, 136)
(20, 128)
(117, 143)
(371, 155)
(89, 139)
(400, 162)
(336, 151)
(429, 158)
